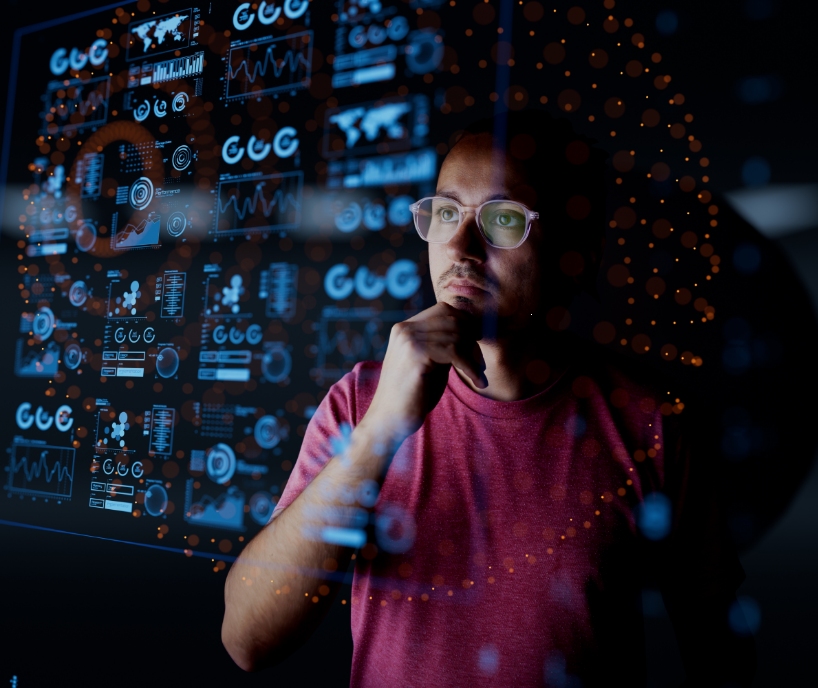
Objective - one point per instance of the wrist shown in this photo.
(383, 434)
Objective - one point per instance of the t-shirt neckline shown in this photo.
(504, 409)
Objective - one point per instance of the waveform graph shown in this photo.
(40, 470)
(259, 203)
(76, 105)
(268, 65)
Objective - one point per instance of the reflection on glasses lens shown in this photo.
(503, 222)
(437, 219)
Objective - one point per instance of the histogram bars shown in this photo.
(180, 68)
(268, 65)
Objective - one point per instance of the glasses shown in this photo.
(503, 224)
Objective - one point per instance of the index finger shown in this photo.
(468, 321)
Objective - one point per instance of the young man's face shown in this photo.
(508, 279)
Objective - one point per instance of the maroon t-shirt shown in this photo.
(513, 551)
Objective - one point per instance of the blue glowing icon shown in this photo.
(399, 213)
(276, 362)
(261, 507)
(220, 463)
(349, 219)
(267, 432)
(156, 500)
(167, 362)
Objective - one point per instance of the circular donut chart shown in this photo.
(221, 463)
(261, 507)
(167, 362)
(182, 157)
(177, 224)
(156, 500)
(276, 363)
(72, 356)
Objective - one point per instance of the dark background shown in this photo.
(88, 612)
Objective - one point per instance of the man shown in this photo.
(518, 487)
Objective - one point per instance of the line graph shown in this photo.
(146, 233)
(76, 105)
(250, 203)
(224, 511)
(40, 470)
(268, 65)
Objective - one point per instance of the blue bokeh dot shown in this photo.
(667, 22)
(653, 516)
(747, 258)
(745, 616)
(756, 171)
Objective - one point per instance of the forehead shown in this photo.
(477, 170)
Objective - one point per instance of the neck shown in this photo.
(521, 365)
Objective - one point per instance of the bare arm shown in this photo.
(261, 626)
(265, 621)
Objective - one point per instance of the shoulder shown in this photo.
(354, 391)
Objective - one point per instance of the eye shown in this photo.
(448, 214)
(505, 218)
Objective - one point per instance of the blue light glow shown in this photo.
(653, 516)
(667, 22)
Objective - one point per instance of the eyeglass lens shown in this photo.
(503, 222)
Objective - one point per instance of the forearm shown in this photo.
(269, 592)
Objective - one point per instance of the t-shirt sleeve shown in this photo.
(329, 427)
(699, 553)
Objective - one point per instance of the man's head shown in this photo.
(544, 165)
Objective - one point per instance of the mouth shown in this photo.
(465, 288)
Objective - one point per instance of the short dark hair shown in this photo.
(568, 175)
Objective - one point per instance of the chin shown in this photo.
(464, 303)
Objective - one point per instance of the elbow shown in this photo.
(248, 652)
(241, 649)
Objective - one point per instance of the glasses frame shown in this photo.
(464, 210)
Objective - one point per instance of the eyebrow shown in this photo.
(494, 197)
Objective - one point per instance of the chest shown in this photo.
(469, 497)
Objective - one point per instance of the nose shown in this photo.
(467, 242)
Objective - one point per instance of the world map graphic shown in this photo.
(159, 30)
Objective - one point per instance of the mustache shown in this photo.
(461, 272)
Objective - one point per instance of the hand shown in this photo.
(416, 367)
